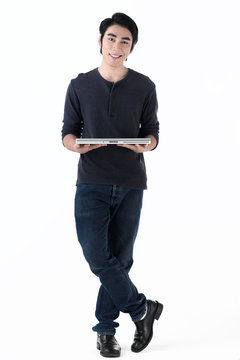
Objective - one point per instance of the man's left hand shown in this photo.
(142, 148)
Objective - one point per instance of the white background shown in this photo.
(187, 251)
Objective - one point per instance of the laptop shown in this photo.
(113, 141)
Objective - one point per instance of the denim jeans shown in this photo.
(107, 219)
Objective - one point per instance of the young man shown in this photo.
(109, 102)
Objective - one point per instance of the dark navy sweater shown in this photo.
(97, 108)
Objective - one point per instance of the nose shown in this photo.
(116, 46)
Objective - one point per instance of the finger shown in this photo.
(142, 148)
(138, 148)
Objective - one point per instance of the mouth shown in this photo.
(115, 57)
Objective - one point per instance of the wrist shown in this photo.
(153, 142)
(69, 141)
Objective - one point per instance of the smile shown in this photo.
(115, 56)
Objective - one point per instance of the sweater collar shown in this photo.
(111, 82)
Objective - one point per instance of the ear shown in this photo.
(99, 40)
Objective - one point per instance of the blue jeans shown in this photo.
(107, 219)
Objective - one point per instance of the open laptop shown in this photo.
(113, 141)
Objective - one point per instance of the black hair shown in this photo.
(122, 20)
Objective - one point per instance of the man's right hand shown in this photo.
(69, 141)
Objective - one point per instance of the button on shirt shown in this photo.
(97, 108)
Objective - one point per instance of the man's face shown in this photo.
(116, 45)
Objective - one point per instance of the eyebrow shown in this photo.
(124, 38)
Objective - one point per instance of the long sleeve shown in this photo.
(149, 120)
(72, 121)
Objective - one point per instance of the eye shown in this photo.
(111, 39)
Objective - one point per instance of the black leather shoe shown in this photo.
(144, 328)
(108, 346)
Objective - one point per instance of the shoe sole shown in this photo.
(156, 317)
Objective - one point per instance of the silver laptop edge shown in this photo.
(114, 141)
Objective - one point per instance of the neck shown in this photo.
(112, 74)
